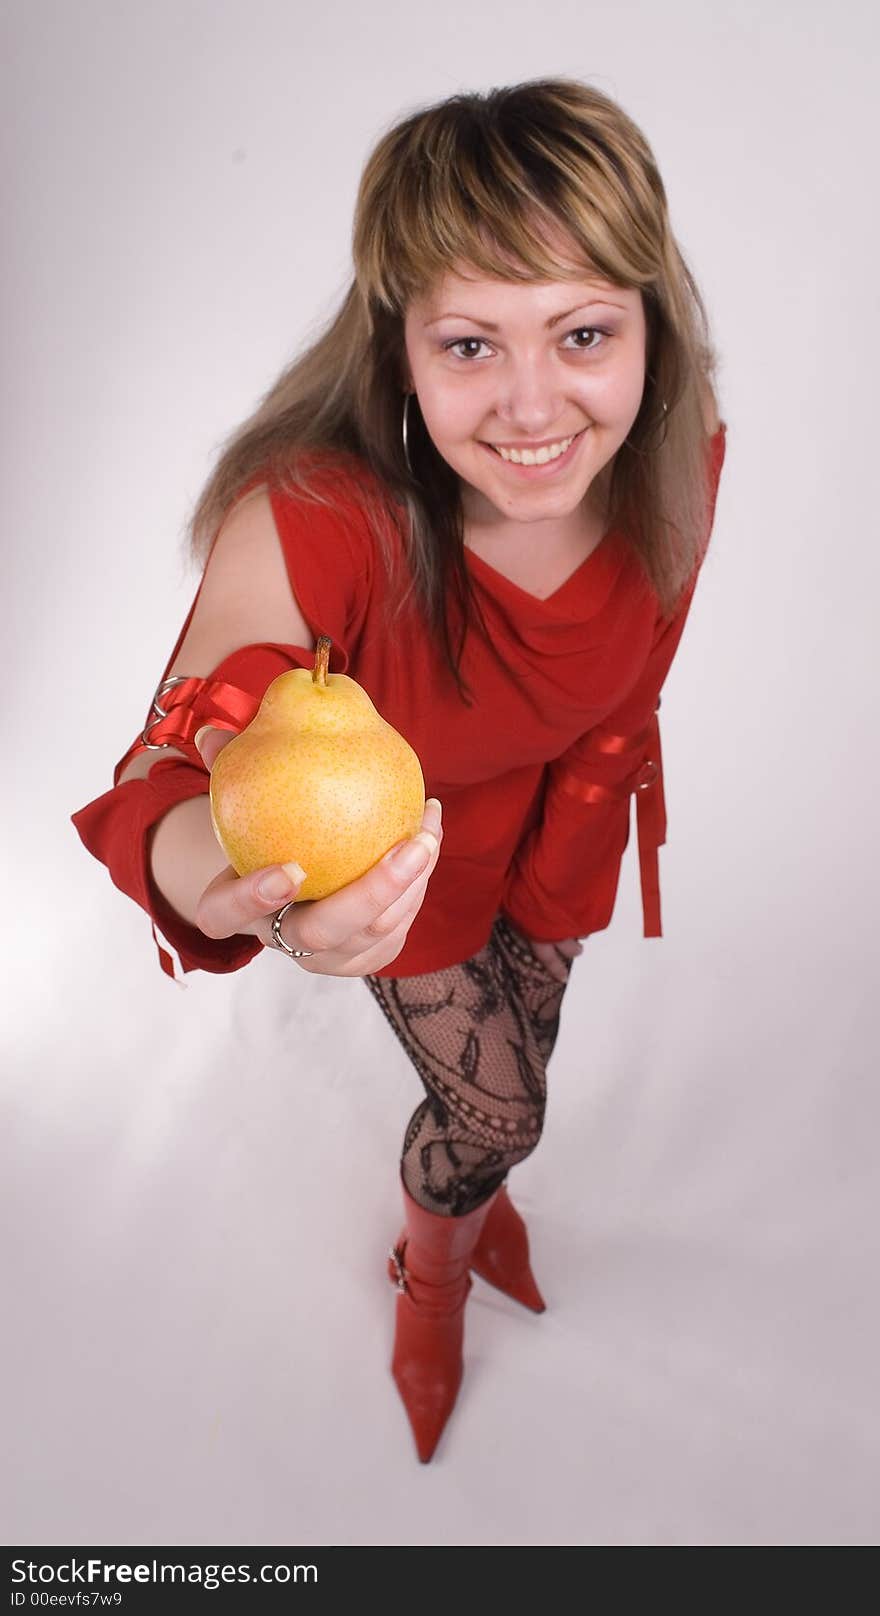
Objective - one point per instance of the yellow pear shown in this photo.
(316, 776)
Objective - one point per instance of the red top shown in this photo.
(535, 779)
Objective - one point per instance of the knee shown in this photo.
(526, 1143)
(502, 1137)
(518, 1135)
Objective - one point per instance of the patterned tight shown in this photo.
(480, 1035)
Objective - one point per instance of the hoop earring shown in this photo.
(406, 399)
(664, 423)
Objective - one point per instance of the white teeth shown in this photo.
(535, 457)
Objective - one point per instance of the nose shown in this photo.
(530, 397)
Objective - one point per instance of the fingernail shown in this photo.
(296, 872)
(414, 856)
(275, 886)
(434, 815)
(198, 736)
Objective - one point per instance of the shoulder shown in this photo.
(245, 594)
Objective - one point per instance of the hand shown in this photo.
(548, 954)
(353, 932)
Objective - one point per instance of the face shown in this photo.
(506, 363)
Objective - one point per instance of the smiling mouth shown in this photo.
(534, 459)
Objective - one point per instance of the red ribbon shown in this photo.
(647, 782)
(178, 713)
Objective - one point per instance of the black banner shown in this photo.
(159, 1579)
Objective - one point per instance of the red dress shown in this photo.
(535, 779)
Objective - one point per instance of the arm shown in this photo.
(152, 829)
(564, 878)
(563, 881)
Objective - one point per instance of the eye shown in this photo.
(462, 342)
(591, 331)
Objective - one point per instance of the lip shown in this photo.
(550, 466)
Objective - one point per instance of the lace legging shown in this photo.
(480, 1035)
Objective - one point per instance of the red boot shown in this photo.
(501, 1255)
(430, 1267)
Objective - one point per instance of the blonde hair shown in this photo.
(488, 180)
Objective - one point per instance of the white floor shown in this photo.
(201, 1192)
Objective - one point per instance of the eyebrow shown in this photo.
(489, 325)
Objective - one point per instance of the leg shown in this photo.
(479, 1035)
(540, 993)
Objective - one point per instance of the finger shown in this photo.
(382, 953)
(208, 741)
(553, 962)
(232, 903)
(397, 919)
(383, 939)
(357, 910)
(405, 908)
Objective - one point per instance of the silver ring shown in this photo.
(158, 712)
(293, 953)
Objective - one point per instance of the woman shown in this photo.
(491, 483)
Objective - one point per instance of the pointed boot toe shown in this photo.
(430, 1267)
(521, 1287)
(428, 1383)
(501, 1255)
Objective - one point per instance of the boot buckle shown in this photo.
(396, 1256)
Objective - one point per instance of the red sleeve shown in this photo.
(564, 878)
(117, 829)
(326, 553)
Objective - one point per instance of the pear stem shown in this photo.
(322, 659)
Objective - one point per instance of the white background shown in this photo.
(199, 1186)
